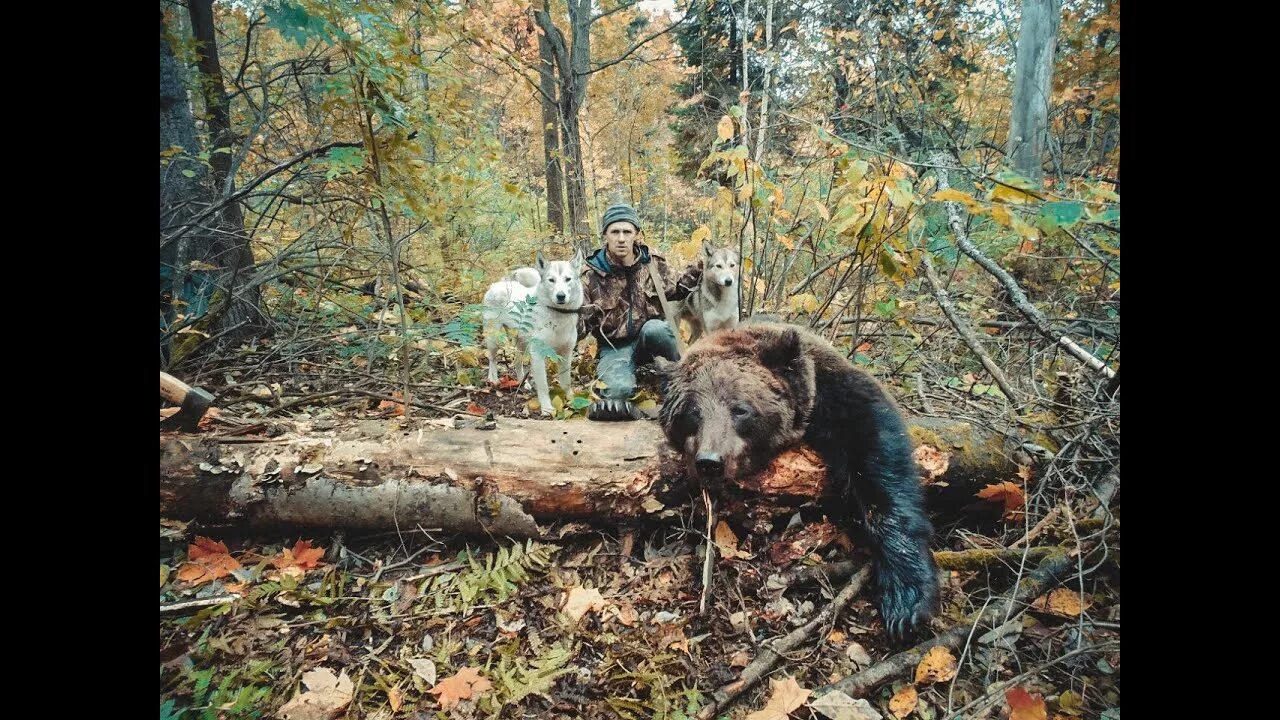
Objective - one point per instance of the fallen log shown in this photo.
(503, 481)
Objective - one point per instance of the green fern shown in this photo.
(518, 680)
(498, 576)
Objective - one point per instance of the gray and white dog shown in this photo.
(714, 303)
(551, 321)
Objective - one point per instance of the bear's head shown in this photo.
(737, 399)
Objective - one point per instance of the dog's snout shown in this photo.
(728, 282)
(709, 465)
(560, 297)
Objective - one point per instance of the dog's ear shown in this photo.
(707, 249)
(578, 260)
(542, 264)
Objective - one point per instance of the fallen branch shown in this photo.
(770, 654)
(995, 693)
(1016, 294)
(183, 605)
(966, 333)
(1042, 579)
(976, 559)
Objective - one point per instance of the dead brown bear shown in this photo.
(741, 396)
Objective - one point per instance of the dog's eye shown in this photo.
(733, 264)
(567, 279)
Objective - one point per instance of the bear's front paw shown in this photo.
(907, 604)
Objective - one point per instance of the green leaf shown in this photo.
(167, 711)
(296, 24)
(1054, 215)
(189, 173)
(580, 403)
(1013, 179)
(886, 309)
(888, 263)
(1109, 216)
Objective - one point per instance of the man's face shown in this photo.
(620, 240)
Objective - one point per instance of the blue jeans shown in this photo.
(616, 364)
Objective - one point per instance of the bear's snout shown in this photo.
(710, 465)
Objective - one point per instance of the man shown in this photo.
(621, 308)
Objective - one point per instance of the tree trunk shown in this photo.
(502, 481)
(551, 132)
(242, 317)
(1033, 85)
(177, 190)
(573, 67)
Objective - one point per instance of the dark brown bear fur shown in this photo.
(741, 396)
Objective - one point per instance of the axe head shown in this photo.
(194, 405)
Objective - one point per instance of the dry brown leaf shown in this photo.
(465, 685)
(903, 702)
(742, 658)
(301, 555)
(839, 706)
(394, 699)
(1062, 601)
(1024, 473)
(672, 636)
(1024, 705)
(326, 696)
(798, 542)
(204, 547)
(424, 668)
(786, 695)
(194, 573)
(580, 600)
(1008, 493)
(836, 637)
(726, 541)
(858, 655)
(627, 615)
(937, 665)
(209, 560)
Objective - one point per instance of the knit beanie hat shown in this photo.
(617, 213)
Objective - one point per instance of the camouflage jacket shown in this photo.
(618, 300)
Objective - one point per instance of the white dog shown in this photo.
(542, 307)
(714, 303)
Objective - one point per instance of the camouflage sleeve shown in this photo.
(590, 315)
(679, 286)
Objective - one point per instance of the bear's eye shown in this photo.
(741, 411)
(686, 423)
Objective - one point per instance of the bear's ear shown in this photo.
(781, 351)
